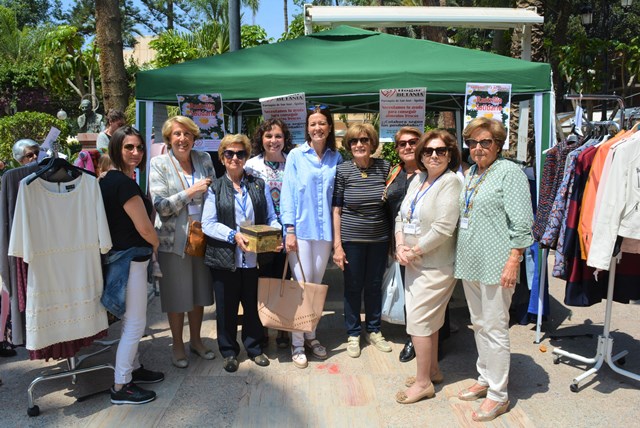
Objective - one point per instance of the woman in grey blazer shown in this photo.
(179, 181)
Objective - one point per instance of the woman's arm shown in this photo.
(135, 209)
(339, 257)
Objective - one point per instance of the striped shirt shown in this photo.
(364, 213)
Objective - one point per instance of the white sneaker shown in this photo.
(377, 340)
(353, 346)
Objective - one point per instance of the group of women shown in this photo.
(438, 226)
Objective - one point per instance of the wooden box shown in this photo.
(262, 238)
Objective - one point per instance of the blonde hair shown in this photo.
(231, 139)
(167, 128)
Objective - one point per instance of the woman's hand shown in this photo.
(242, 241)
(291, 243)
(510, 273)
(405, 255)
(199, 187)
(339, 257)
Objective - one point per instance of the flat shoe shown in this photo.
(435, 379)
(428, 392)
(207, 354)
(499, 409)
(408, 352)
(181, 363)
(261, 360)
(298, 357)
(282, 340)
(468, 395)
(230, 364)
(316, 348)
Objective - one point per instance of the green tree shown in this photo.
(109, 39)
(29, 12)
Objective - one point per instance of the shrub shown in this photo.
(32, 125)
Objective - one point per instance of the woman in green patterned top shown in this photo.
(494, 230)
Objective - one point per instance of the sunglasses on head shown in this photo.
(485, 144)
(412, 142)
(363, 140)
(318, 107)
(132, 147)
(229, 154)
(440, 151)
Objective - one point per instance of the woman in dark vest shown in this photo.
(236, 199)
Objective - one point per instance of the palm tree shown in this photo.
(286, 16)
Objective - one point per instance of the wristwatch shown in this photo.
(520, 258)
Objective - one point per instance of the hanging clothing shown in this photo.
(65, 272)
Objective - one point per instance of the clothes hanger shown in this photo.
(57, 170)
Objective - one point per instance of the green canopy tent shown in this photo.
(346, 67)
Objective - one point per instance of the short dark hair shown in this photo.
(256, 142)
(449, 142)
(324, 110)
(117, 141)
(114, 115)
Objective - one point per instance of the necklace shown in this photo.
(363, 171)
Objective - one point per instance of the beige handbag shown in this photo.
(290, 305)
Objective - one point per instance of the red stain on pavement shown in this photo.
(330, 368)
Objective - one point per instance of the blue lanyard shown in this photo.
(242, 202)
(193, 175)
(419, 196)
(468, 196)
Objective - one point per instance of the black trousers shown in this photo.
(231, 289)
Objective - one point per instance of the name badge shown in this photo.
(194, 209)
(464, 222)
(410, 228)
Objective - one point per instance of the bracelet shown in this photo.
(232, 236)
(291, 232)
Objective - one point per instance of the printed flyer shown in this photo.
(291, 109)
(206, 111)
(401, 107)
(492, 100)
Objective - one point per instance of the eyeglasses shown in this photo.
(318, 107)
(402, 144)
(485, 144)
(240, 154)
(131, 147)
(362, 140)
(440, 151)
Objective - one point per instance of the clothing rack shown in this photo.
(604, 348)
(545, 251)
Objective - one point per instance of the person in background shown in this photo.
(305, 205)
(25, 151)
(104, 164)
(397, 184)
(361, 235)
(270, 145)
(425, 243)
(233, 200)
(115, 119)
(495, 228)
(134, 240)
(178, 182)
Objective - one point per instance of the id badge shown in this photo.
(194, 210)
(245, 223)
(410, 228)
(464, 222)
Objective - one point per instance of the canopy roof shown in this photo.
(344, 67)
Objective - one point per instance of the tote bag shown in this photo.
(393, 295)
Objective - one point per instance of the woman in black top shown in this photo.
(361, 235)
(134, 239)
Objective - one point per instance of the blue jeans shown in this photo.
(364, 272)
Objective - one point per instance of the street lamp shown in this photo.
(586, 15)
(626, 3)
(62, 115)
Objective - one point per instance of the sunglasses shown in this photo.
(131, 147)
(363, 140)
(229, 154)
(485, 144)
(318, 107)
(440, 151)
(412, 142)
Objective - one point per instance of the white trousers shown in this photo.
(489, 309)
(133, 322)
(313, 256)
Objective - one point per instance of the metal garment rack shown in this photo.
(604, 349)
(545, 251)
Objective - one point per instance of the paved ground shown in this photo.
(342, 391)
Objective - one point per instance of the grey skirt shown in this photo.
(185, 283)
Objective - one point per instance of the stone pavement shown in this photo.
(342, 391)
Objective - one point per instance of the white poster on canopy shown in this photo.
(291, 109)
(401, 107)
(492, 100)
(206, 111)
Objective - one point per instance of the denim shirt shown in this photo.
(115, 269)
(307, 192)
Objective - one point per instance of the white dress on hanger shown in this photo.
(60, 229)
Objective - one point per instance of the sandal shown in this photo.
(298, 357)
(316, 348)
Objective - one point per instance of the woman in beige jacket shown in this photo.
(425, 244)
